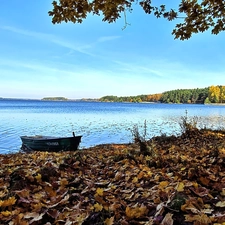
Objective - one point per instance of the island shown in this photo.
(54, 99)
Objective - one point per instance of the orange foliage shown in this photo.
(115, 184)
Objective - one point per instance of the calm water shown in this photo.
(97, 122)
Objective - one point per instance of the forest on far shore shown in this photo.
(212, 94)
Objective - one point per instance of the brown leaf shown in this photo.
(204, 181)
(53, 213)
(202, 219)
(200, 191)
(34, 215)
(168, 220)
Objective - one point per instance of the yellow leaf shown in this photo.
(150, 173)
(38, 177)
(8, 202)
(113, 186)
(100, 156)
(195, 184)
(135, 180)
(100, 191)
(98, 207)
(6, 213)
(136, 212)
(180, 187)
(37, 207)
(163, 184)
(109, 221)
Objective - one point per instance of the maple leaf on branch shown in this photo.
(197, 16)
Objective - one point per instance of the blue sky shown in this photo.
(94, 59)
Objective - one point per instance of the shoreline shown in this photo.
(118, 184)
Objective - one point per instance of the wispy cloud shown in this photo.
(82, 48)
(108, 38)
(168, 74)
(75, 46)
(26, 32)
(138, 69)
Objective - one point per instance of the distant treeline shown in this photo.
(54, 99)
(212, 94)
(197, 95)
(138, 98)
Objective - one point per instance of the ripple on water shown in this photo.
(98, 123)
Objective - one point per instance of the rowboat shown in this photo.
(50, 144)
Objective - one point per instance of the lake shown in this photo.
(97, 122)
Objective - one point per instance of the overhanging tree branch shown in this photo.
(197, 16)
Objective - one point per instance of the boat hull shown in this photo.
(45, 143)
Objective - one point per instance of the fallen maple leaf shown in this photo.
(201, 219)
(98, 207)
(8, 202)
(135, 180)
(38, 177)
(109, 221)
(136, 211)
(163, 184)
(180, 187)
(188, 174)
(100, 191)
(6, 213)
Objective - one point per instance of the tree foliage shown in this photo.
(138, 98)
(212, 94)
(54, 99)
(197, 95)
(193, 16)
(217, 94)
